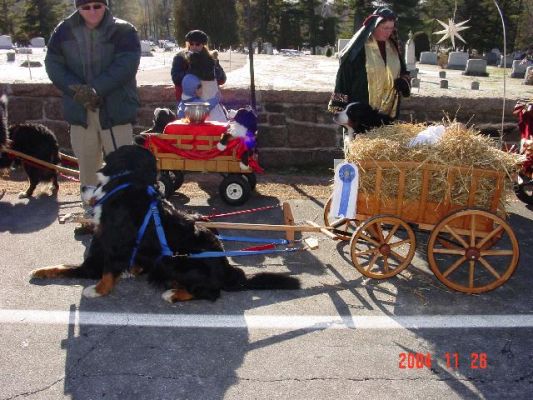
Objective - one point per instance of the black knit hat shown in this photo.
(80, 3)
(196, 36)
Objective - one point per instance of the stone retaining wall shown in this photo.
(294, 128)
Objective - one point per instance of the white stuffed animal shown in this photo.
(243, 124)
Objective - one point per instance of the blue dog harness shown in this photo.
(152, 213)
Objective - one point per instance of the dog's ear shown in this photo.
(138, 161)
(162, 117)
(139, 140)
(358, 111)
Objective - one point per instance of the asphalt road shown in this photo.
(340, 336)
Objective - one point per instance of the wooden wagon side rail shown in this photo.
(422, 210)
(227, 163)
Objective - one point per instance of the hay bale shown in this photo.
(459, 147)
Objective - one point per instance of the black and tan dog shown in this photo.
(358, 118)
(123, 198)
(35, 140)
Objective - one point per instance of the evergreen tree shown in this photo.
(39, 18)
(524, 27)
(408, 12)
(217, 18)
(485, 24)
(7, 17)
(130, 11)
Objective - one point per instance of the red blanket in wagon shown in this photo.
(211, 128)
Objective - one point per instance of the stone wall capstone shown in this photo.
(294, 127)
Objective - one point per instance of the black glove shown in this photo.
(403, 86)
(86, 96)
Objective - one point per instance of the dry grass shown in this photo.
(459, 147)
(197, 185)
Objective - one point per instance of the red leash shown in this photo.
(252, 210)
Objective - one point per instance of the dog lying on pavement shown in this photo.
(123, 198)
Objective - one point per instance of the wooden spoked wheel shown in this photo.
(382, 247)
(343, 231)
(479, 260)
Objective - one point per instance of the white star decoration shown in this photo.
(452, 30)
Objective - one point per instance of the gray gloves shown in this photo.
(86, 96)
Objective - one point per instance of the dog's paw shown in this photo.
(175, 295)
(90, 292)
(23, 195)
(243, 166)
(221, 147)
(50, 272)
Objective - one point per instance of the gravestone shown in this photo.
(168, 45)
(31, 64)
(10, 56)
(457, 60)
(319, 50)
(24, 50)
(410, 57)
(6, 43)
(508, 61)
(415, 83)
(442, 74)
(474, 85)
(146, 49)
(268, 48)
(519, 69)
(476, 67)
(528, 80)
(428, 57)
(414, 73)
(341, 43)
(37, 42)
(492, 58)
(443, 84)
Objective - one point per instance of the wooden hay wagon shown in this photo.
(471, 248)
(192, 147)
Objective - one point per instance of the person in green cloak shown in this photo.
(371, 68)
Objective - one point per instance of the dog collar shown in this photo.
(111, 193)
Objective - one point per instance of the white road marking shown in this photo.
(311, 322)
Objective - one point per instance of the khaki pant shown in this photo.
(89, 143)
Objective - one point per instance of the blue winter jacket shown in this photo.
(114, 63)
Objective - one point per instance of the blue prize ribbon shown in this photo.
(347, 175)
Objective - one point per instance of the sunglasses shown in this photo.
(94, 7)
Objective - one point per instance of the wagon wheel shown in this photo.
(382, 247)
(479, 261)
(235, 190)
(344, 231)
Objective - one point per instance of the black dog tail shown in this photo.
(238, 281)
